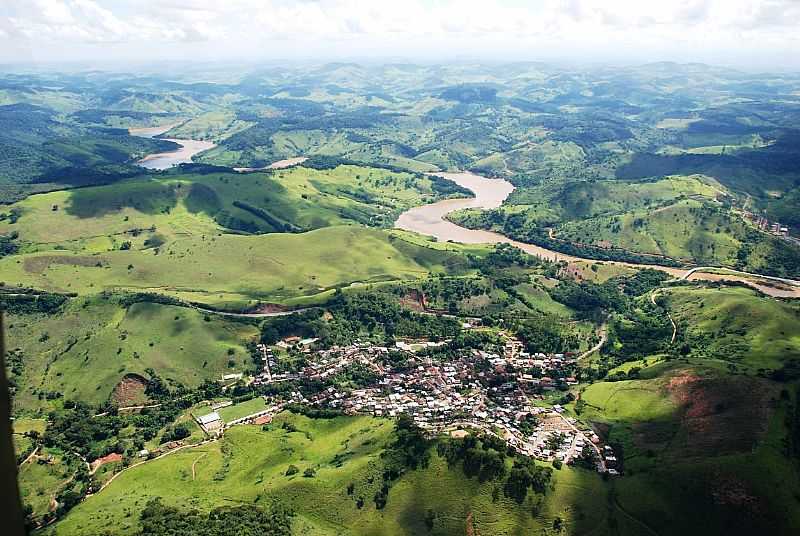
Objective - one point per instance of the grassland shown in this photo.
(39, 482)
(737, 326)
(249, 466)
(167, 235)
(301, 198)
(684, 218)
(105, 341)
(686, 230)
(213, 125)
(235, 270)
(704, 435)
(698, 444)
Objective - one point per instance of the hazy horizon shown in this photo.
(741, 34)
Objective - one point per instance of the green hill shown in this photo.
(83, 351)
(249, 466)
(173, 235)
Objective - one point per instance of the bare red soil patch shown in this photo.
(719, 415)
(109, 458)
(264, 419)
(264, 308)
(470, 528)
(129, 391)
(414, 300)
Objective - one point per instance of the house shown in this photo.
(264, 419)
(211, 423)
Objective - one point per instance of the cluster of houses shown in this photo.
(772, 227)
(495, 393)
(500, 393)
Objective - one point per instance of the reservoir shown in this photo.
(166, 160)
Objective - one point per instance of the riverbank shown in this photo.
(431, 220)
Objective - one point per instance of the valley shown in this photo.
(404, 299)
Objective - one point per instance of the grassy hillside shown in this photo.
(83, 351)
(684, 218)
(169, 235)
(39, 151)
(737, 326)
(286, 200)
(696, 444)
(235, 270)
(249, 466)
(687, 230)
(708, 432)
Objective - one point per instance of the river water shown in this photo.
(490, 193)
(166, 160)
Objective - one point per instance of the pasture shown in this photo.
(186, 236)
(250, 466)
(86, 349)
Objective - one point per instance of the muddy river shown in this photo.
(490, 193)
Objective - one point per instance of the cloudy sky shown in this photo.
(742, 33)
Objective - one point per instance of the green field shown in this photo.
(685, 218)
(242, 409)
(694, 439)
(291, 199)
(165, 236)
(105, 341)
(234, 269)
(737, 326)
(249, 466)
(39, 482)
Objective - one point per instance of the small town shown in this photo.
(506, 395)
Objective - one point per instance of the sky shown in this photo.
(747, 34)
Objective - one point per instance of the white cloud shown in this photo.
(513, 29)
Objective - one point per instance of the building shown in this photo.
(212, 424)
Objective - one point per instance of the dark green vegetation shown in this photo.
(158, 520)
(371, 314)
(41, 150)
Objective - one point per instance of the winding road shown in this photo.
(596, 347)
(671, 321)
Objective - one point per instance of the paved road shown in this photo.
(252, 315)
(689, 274)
